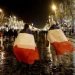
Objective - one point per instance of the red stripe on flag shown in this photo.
(26, 55)
(62, 47)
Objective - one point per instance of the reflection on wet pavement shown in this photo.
(10, 66)
(7, 63)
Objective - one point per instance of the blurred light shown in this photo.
(54, 7)
(1, 10)
(2, 55)
(32, 24)
(49, 16)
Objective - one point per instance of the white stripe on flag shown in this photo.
(25, 40)
(56, 35)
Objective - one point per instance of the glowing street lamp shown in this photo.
(1, 15)
(1, 10)
(54, 7)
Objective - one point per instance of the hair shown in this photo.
(26, 26)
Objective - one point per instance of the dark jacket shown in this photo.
(26, 31)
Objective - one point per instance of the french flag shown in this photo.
(59, 41)
(25, 48)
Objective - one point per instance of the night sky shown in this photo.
(35, 11)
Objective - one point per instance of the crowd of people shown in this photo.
(31, 62)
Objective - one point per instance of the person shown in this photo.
(24, 47)
(56, 37)
(26, 29)
(15, 33)
(54, 26)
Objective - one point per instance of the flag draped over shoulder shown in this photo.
(59, 41)
(25, 48)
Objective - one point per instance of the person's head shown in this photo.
(26, 26)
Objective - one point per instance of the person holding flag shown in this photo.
(63, 47)
(25, 48)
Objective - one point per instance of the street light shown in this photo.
(54, 8)
(1, 15)
(1, 10)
